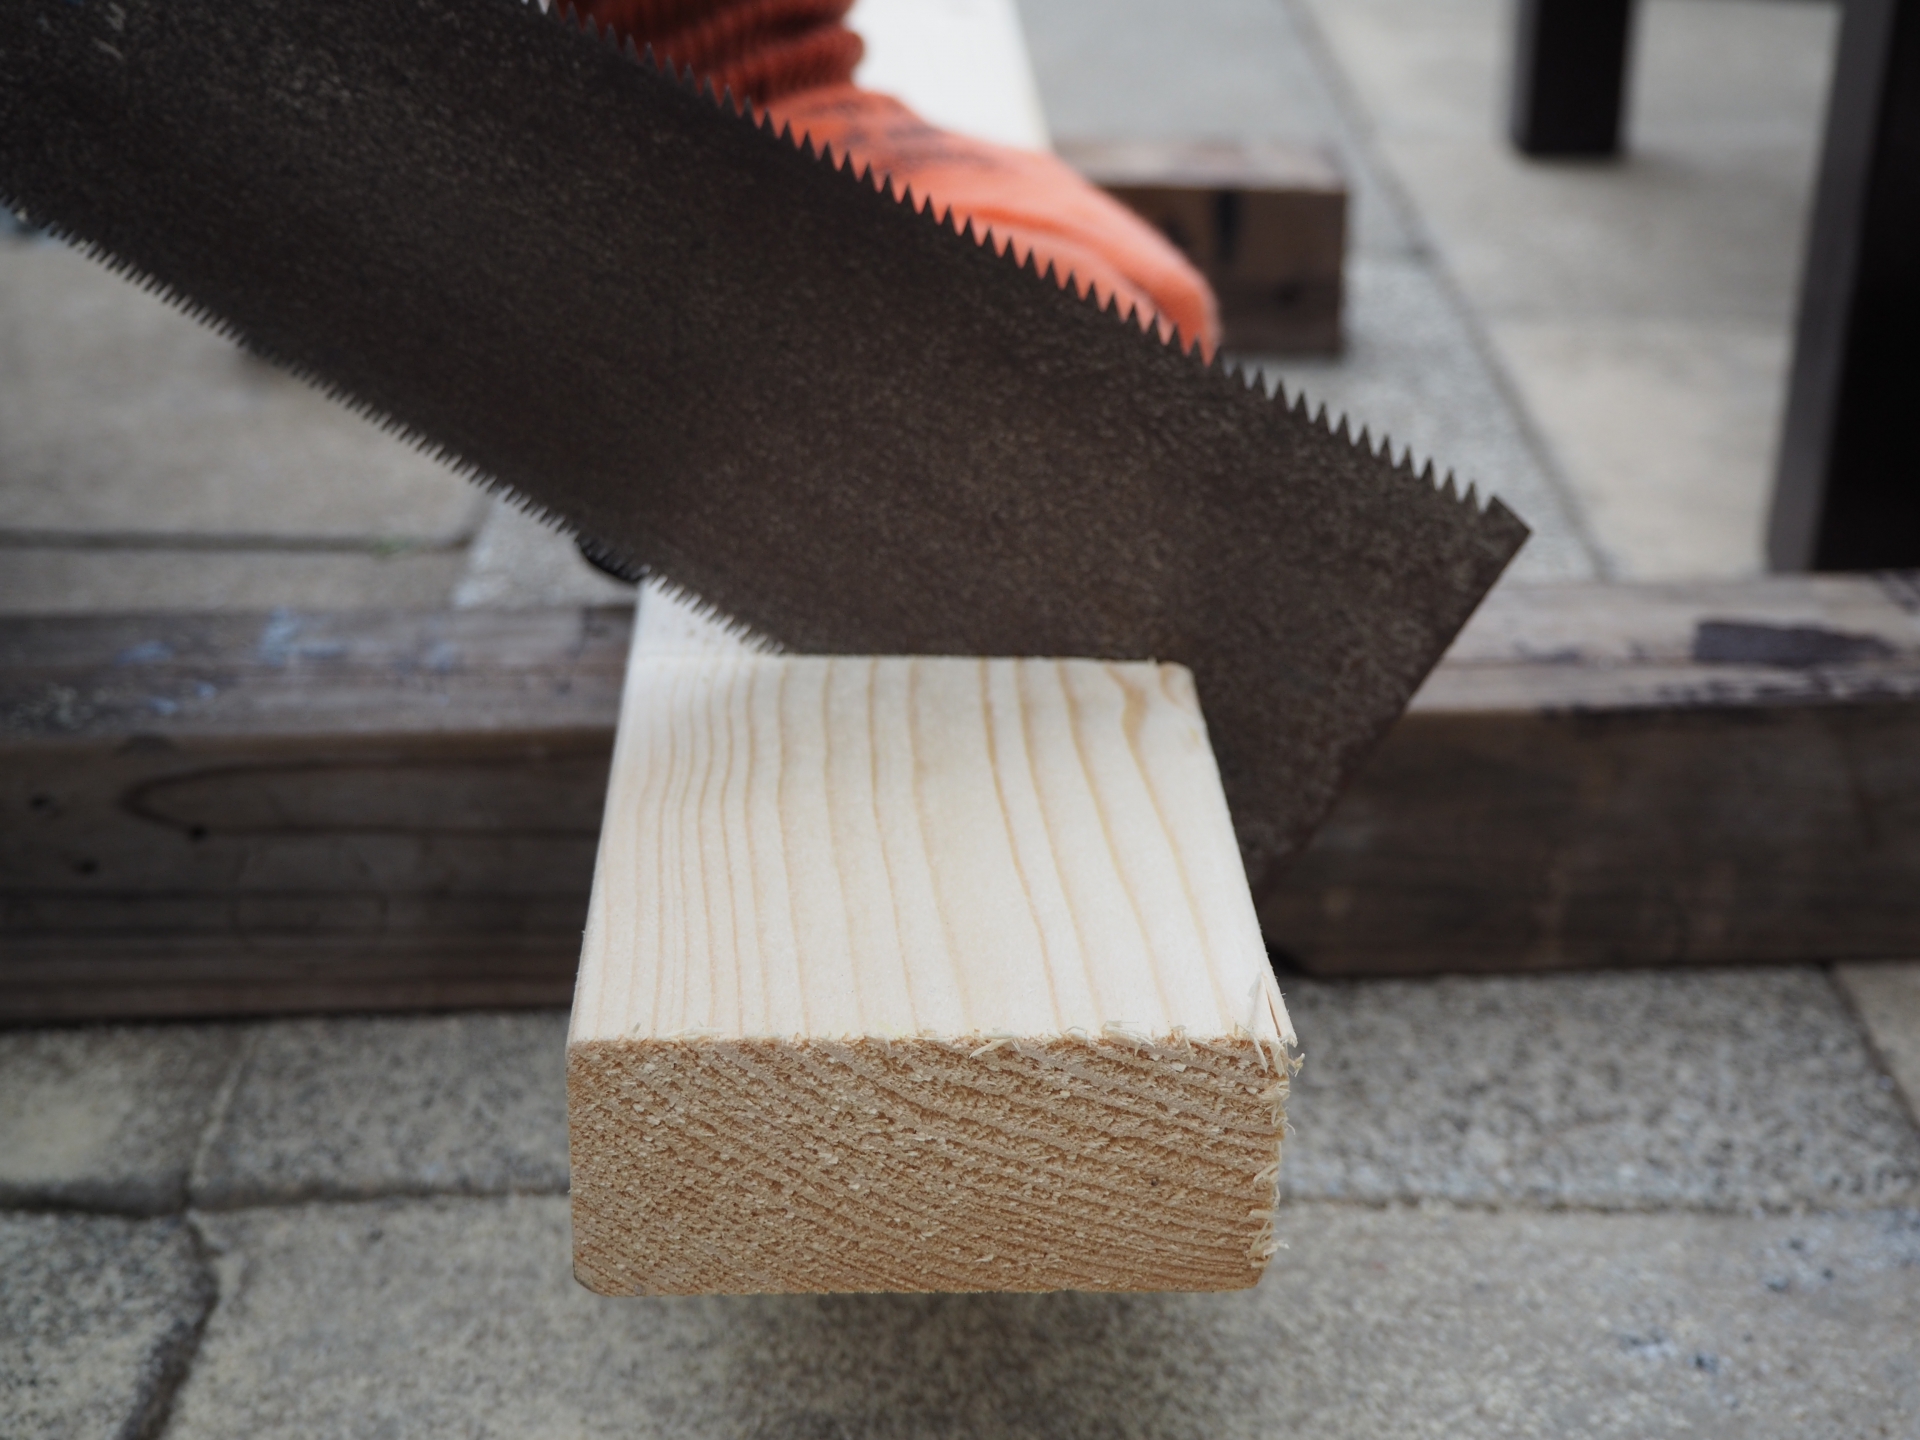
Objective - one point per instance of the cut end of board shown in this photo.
(773, 1165)
(914, 974)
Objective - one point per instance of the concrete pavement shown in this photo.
(1576, 1204)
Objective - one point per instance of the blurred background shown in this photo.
(1604, 343)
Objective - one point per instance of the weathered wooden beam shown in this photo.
(209, 814)
(920, 974)
(216, 814)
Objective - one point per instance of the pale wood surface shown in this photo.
(962, 64)
(854, 846)
(920, 974)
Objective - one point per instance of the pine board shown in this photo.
(920, 974)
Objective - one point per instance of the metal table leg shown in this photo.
(1569, 76)
(1847, 490)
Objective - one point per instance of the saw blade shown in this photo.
(741, 367)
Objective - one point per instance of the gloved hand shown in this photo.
(795, 58)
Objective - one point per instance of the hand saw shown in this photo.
(826, 411)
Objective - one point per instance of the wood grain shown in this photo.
(1708, 773)
(229, 814)
(910, 974)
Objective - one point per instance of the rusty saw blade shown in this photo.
(741, 367)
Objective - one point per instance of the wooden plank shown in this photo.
(1592, 773)
(231, 814)
(961, 65)
(920, 974)
(1265, 222)
(1661, 774)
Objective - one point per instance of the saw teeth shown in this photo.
(965, 228)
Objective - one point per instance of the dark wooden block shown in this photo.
(1265, 223)
(232, 814)
(1706, 773)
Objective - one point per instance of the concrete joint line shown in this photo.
(1889, 1072)
(306, 1198)
(237, 543)
(217, 1113)
(173, 1360)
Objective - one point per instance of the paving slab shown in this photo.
(1412, 370)
(98, 1323)
(471, 1103)
(1651, 236)
(1886, 997)
(1640, 308)
(119, 414)
(107, 1117)
(1665, 433)
(1702, 217)
(459, 1317)
(1719, 1090)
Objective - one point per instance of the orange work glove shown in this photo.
(795, 59)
